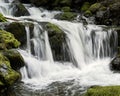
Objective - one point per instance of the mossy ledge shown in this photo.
(103, 91)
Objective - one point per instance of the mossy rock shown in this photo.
(66, 2)
(94, 7)
(8, 40)
(88, 13)
(19, 31)
(7, 75)
(69, 16)
(85, 6)
(15, 58)
(2, 18)
(104, 91)
(66, 9)
(20, 10)
(56, 38)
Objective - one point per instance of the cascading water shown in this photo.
(90, 48)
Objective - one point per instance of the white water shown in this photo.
(88, 45)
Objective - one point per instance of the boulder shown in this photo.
(19, 31)
(115, 64)
(69, 16)
(56, 38)
(20, 10)
(15, 58)
(7, 40)
(7, 75)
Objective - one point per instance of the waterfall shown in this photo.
(90, 48)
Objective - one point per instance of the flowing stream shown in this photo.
(89, 46)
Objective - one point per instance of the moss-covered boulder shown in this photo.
(56, 38)
(69, 16)
(66, 9)
(20, 10)
(85, 6)
(2, 18)
(7, 75)
(7, 40)
(15, 58)
(94, 7)
(103, 91)
(19, 31)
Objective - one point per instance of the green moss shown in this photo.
(65, 2)
(3, 60)
(7, 75)
(85, 6)
(8, 40)
(2, 18)
(88, 13)
(94, 7)
(15, 58)
(66, 9)
(53, 28)
(68, 16)
(104, 91)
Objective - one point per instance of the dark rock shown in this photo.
(8, 76)
(115, 64)
(7, 40)
(20, 10)
(57, 39)
(69, 16)
(19, 31)
(16, 60)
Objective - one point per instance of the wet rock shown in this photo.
(115, 64)
(69, 16)
(20, 10)
(7, 40)
(7, 75)
(19, 31)
(16, 60)
(57, 39)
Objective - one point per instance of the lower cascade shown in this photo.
(76, 52)
(90, 50)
